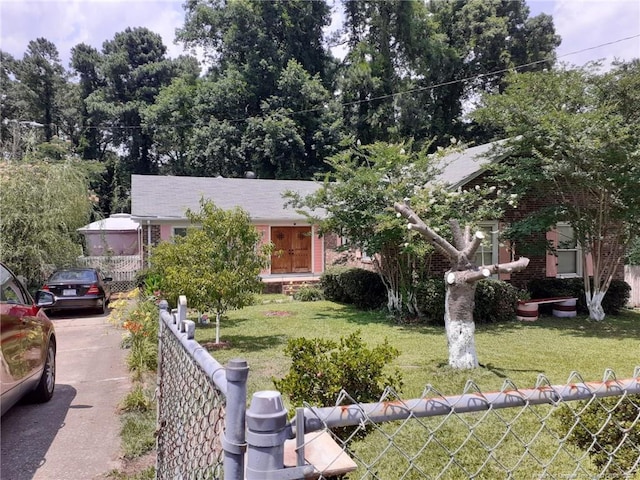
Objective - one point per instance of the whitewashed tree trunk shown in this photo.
(217, 327)
(459, 325)
(594, 304)
(461, 283)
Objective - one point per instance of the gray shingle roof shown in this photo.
(168, 197)
(458, 168)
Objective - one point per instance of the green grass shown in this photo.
(516, 351)
(519, 350)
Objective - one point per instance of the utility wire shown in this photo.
(391, 95)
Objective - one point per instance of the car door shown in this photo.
(14, 331)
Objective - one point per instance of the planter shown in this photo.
(565, 308)
(527, 312)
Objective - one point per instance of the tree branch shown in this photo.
(416, 223)
(486, 271)
(473, 245)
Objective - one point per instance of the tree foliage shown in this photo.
(356, 197)
(217, 264)
(574, 136)
(41, 206)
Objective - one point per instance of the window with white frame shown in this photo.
(179, 231)
(487, 253)
(568, 251)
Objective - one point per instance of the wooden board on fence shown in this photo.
(321, 451)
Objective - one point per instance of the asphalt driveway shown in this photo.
(75, 435)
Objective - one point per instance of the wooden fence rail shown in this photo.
(632, 277)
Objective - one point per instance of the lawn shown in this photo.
(519, 351)
(516, 351)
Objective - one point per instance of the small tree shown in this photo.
(460, 281)
(356, 196)
(217, 264)
(574, 136)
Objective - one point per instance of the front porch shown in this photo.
(289, 283)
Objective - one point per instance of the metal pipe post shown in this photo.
(233, 441)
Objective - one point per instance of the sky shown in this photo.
(583, 24)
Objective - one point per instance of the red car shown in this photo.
(28, 360)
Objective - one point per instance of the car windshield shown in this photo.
(73, 276)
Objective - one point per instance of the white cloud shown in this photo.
(67, 23)
(585, 24)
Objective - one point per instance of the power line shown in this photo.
(392, 95)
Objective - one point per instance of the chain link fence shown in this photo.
(581, 430)
(194, 394)
(578, 430)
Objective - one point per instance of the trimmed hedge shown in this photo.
(430, 293)
(495, 301)
(613, 302)
(357, 286)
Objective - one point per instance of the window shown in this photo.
(10, 290)
(179, 232)
(568, 251)
(487, 253)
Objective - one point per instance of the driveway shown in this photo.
(75, 435)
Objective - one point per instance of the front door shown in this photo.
(292, 249)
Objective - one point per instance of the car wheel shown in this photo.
(102, 308)
(44, 390)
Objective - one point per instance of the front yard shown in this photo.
(518, 351)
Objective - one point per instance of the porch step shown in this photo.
(289, 287)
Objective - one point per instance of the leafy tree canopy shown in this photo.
(574, 135)
(41, 206)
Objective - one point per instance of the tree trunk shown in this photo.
(459, 325)
(594, 304)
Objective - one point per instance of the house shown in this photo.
(468, 168)
(159, 204)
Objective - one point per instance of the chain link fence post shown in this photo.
(267, 430)
(233, 441)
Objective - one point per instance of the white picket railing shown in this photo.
(121, 268)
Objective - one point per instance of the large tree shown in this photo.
(442, 54)
(574, 135)
(133, 68)
(40, 76)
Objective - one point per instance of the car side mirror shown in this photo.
(45, 299)
(108, 279)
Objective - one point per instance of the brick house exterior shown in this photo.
(159, 204)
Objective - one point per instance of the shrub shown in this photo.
(430, 293)
(364, 288)
(608, 429)
(308, 294)
(617, 297)
(357, 286)
(331, 285)
(613, 302)
(496, 302)
(321, 369)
